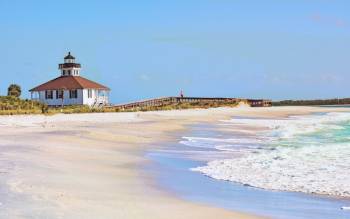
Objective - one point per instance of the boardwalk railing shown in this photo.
(163, 101)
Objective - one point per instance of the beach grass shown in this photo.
(10, 105)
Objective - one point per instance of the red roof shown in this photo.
(69, 83)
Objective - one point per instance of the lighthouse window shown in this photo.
(69, 72)
(73, 94)
(49, 94)
(59, 94)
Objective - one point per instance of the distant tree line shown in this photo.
(312, 102)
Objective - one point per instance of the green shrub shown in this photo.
(14, 90)
(12, 105)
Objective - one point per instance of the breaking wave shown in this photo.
(307, 154)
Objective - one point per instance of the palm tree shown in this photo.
(14, 90)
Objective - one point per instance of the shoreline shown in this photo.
(179, 159)
(91, 162)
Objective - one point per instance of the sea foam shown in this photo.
(309, 154)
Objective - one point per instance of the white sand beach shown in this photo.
(88, 165)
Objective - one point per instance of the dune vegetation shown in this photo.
(319, 102)
(12, 105)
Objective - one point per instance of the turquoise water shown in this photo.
(301, 153)
(278, 172)
(338, 134)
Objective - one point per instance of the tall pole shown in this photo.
(63, 89)
(31, 98)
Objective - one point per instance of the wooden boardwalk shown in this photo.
(164, 101)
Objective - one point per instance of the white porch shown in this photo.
(90, 97)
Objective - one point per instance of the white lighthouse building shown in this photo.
(70, 88)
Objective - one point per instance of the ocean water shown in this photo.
(296, 167)
(307, 154)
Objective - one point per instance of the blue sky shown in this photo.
(289, 49)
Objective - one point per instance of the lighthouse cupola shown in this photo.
(69, 67)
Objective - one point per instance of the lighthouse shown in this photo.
(70, 88)
(69, 67)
